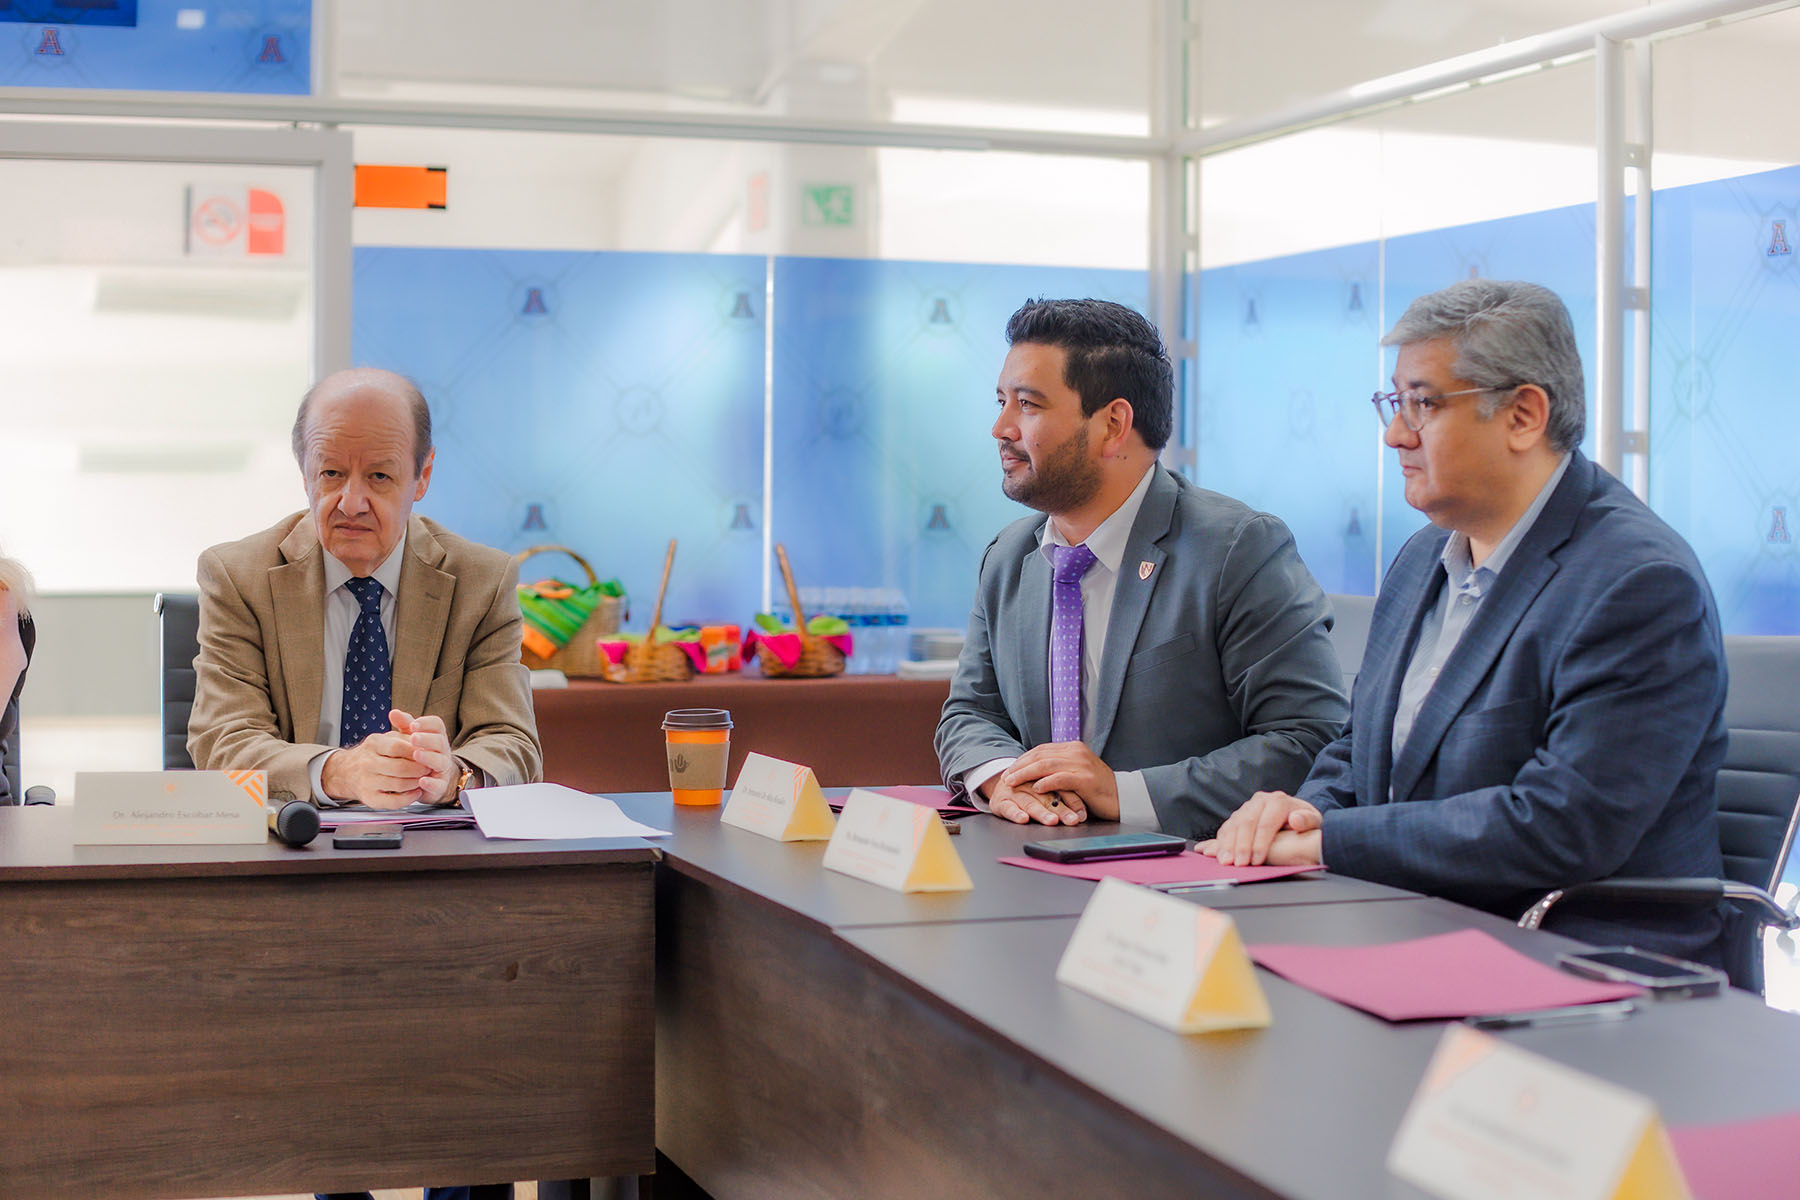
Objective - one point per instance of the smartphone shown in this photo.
(1664, 977)
(1108, 845)
(367, 837)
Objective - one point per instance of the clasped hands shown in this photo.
(411, 763)
(1271, 828)
(1061, 783)
(1057, 783)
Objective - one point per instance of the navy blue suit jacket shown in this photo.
(1574, 733)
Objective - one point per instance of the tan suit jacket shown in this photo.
(261, 669)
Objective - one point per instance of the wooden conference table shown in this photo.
(821, 1037)
(224, 1019)
(201, 1021)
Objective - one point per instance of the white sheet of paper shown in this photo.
(550, 810)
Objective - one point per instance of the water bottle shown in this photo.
(841, 603)
(868, 630)
(875, 663)
(886, 616)
(899, 636)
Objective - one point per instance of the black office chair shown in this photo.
(1350, 631)
(1759, 806)
(180, 628)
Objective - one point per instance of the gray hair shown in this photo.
(415, 399)
(16, 579)
(1506, 335)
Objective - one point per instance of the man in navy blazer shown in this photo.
(1186, 657)
(1542, 698)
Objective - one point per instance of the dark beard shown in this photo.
(1060, 481)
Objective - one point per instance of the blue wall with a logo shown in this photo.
(611, 401)
(254, 46)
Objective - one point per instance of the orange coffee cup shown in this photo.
(699, 742)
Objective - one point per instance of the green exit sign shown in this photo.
(827, 204)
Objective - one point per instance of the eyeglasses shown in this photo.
(1416, 408)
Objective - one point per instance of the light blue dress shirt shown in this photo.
(1465, 585)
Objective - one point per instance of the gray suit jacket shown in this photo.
(260, 674)
(1217, 679)
(1575, 731)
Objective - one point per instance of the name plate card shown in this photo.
(896, 844)
(171, 808)
(1171, 962)
(779, 800)
(1493, 1122)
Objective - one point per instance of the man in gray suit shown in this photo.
(1542, 698)
(1151, 652)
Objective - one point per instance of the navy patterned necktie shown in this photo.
(368, 679)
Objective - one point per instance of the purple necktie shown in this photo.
(1072, 562)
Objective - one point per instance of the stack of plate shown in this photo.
(931, 668)
(929, 644)
(932, 654)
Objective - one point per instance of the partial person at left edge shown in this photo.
(355, 651)
(17, 638)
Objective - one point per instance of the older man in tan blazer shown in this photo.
(295, 676)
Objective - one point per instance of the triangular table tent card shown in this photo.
(896, 844)
(1169, 961)
(1493, 1122)
(779, 800)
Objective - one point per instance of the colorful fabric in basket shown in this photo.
(688, 639)
(554, 611)
(785, 644)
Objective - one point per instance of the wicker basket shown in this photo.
(818, 657)
(579, 656)
(650, 661)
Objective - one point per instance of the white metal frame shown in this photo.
(741, 127)
(328, 153)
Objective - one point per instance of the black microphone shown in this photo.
(295, 822)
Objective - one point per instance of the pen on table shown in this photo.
(1574, 1014)
(950, 827)
(1194, 885)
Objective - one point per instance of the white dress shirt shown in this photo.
(1107, 542)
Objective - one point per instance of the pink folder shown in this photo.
(1173, 868)
(1741, 1159)
(1463, 974)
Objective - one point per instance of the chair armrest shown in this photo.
(40, 794)
(1690, 892)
